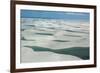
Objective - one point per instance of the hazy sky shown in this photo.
(83, 16)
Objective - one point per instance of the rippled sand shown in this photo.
(53, 34)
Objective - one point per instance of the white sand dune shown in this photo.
(44, 32)
(28, 55)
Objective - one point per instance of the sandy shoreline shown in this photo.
(28, 55)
